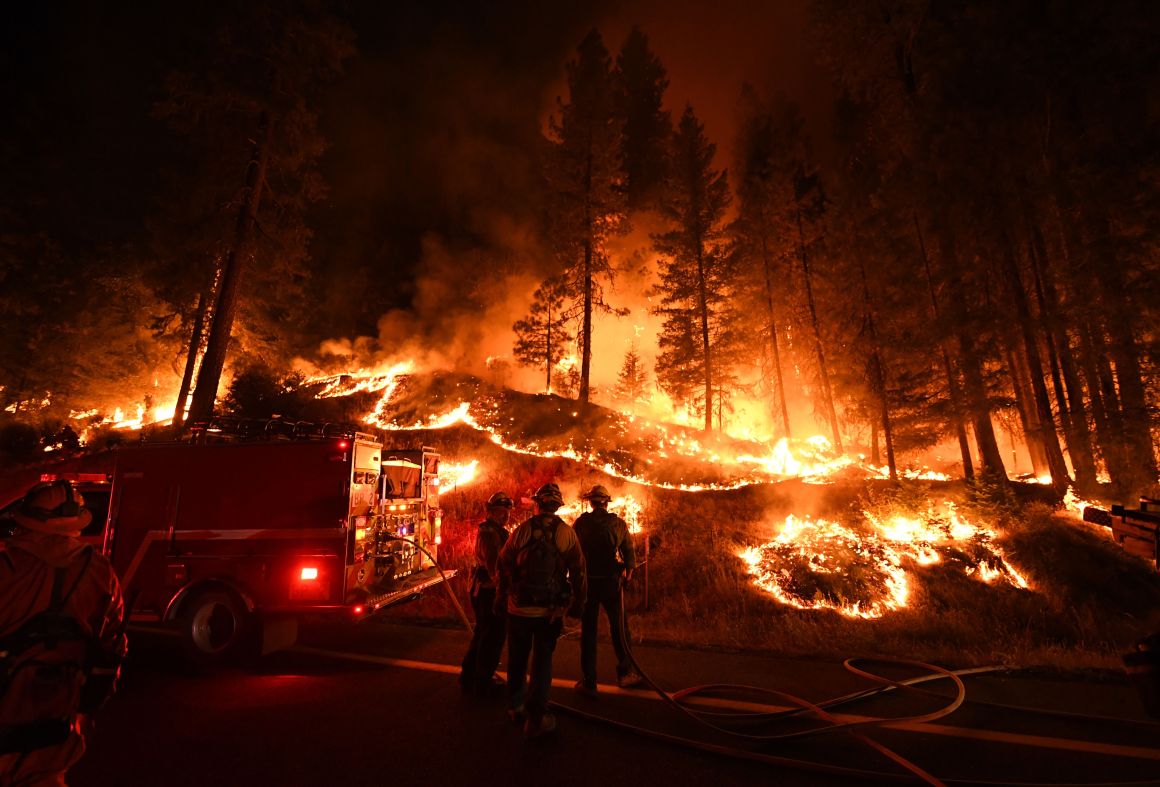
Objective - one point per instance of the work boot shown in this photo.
(585, 687)
(630, 679)
(546, 726)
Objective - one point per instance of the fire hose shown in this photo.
(445, 583)
(914, 773)
(713, 719)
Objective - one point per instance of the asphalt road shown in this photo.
(379, 704)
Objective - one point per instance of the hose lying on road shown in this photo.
(717, 720)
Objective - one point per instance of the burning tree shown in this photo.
(632, 382)
(584, 174)
(697, 279)
(248, 110)
(542, 337)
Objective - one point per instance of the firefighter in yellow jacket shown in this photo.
(62, 635)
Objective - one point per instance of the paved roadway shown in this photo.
(378, 704)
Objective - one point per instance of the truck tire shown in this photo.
(216, 627)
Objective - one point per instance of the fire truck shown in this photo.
(236, 535)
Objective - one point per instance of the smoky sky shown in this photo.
(432, 129)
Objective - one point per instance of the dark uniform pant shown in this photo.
(486, 642)
(535, 637)
(603, 592)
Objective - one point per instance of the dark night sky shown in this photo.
(429, 127)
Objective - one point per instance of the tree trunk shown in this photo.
(878, 375)
(1028, 416)
(548, 359)
(1125, 354)
(586, 320)
(1069, 394)
(196, 335)
(703, 308)
(974, 387)
(948, 369)
(767, 265)
(1046, 421)
(226, 306)
(823, 372)
(1105, 401)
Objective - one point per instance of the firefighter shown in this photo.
(61, 634)
(610, 560)
(541, 578)
(477, 675)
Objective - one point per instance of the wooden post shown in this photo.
(646, 571)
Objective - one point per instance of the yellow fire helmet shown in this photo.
(500, 500)
(549, 497)
(597, 492)
(53, 507)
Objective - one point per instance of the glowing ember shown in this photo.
(863, 571)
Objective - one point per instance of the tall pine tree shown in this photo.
(696, 282)
(585, 178)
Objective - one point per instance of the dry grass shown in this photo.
(1089, 601)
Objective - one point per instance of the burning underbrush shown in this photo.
(923, 570)
(616, 443)
(786, 546)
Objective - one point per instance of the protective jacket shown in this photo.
(489, 540)
(606, 543)
(31, 564)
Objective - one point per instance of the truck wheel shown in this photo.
(215, 625)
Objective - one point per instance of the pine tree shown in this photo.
(759, 234)
(249, 110)
(584, 176)
(542, 337)
(640, 83)
(632, 382)
(696, 281)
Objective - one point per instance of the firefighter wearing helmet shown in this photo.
(610, 559)
(541, 578)
(61, 634)
(477, 675)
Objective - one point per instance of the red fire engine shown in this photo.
(236, 535)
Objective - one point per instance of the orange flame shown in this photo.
(866, 572)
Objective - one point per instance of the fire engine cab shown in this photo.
(236, 535)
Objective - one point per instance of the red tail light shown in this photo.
(309, 573)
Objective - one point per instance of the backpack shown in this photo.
(45, 662)
(539, 579)
(598, 541)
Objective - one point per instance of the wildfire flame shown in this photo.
(865, 572)
(456, 475)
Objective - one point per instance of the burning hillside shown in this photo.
(616, 443)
